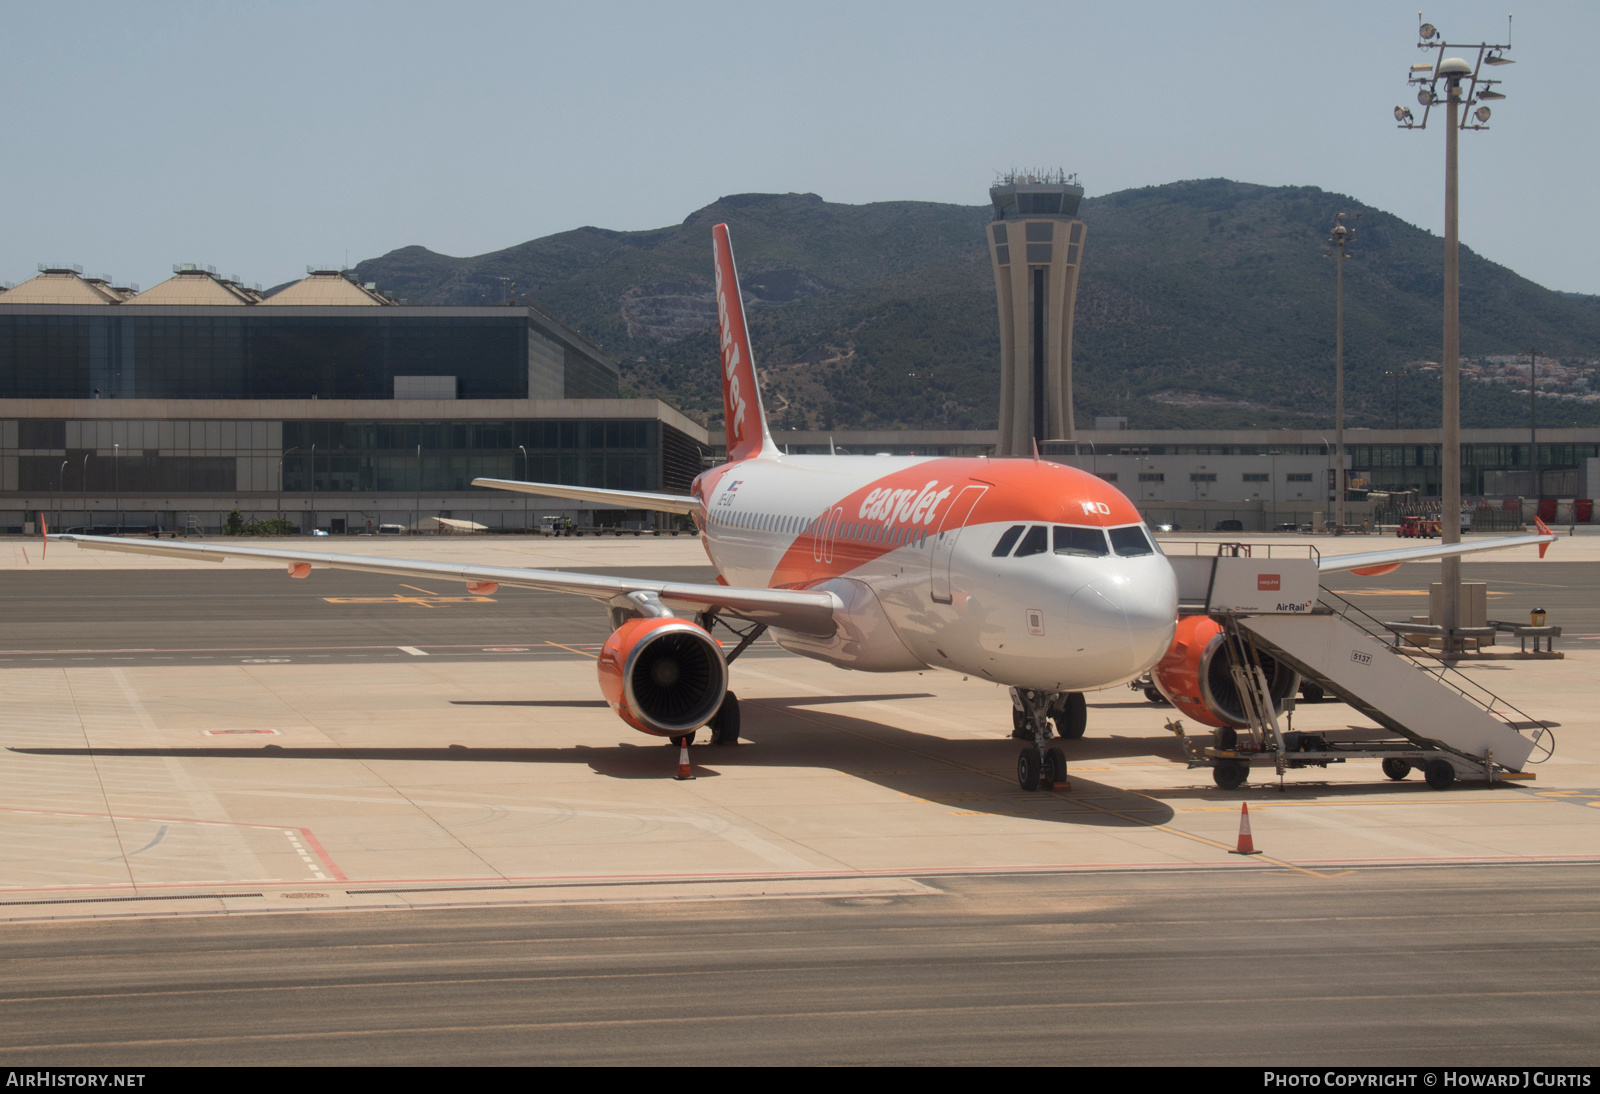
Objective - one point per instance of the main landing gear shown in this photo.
(724, 724)
(1040, 763)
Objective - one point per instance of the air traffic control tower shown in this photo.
(1035, 244)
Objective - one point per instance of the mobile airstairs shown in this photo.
(1275, 616)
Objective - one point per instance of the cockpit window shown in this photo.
(1090, 542)
(1131, 541)
(1036, 542)
(1008, 541)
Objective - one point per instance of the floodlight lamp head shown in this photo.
(1482, 114)
(1402, 115)
(1498, 58)
(1426, 97)
(1427, 31)
(1489, 95)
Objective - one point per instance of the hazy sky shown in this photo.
(262, 137)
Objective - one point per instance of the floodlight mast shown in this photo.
(1338, 242)
(1463, 88)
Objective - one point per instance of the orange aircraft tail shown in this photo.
(743, 416)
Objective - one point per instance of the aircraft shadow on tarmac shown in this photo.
(578, 703)
(967, 776)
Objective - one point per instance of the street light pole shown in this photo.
(524, 452)
(1533, 426)
(87, 523)
(1463, 87)
(281, 458)
(312, 497)
(61, 488)
(418, 523)
(116, 482)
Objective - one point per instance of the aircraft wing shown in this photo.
(1372, 563)
(789, 609)
(624, 499)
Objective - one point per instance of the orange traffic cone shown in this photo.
(1247, 845)
(683, 760)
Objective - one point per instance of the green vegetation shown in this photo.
(1202, 304)
(236, 525)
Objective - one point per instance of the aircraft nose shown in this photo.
(1133, 613)
(1151, 609)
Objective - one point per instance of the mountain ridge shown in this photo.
(1204, 303)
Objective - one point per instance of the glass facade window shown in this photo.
(267, 355)
(384, 457)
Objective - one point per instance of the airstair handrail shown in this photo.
(1445, 674)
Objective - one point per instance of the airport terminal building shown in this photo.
(325, 402)
(1261, 478)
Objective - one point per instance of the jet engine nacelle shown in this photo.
(663, 675)
(1194, 676)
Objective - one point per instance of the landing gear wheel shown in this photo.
(1028, 769)
(1055, 766)
(724, 724)
(1230, 774)
(1439, 773)
(1151, 693)
(1019, 726)
(1396, 769)
(1312, 693)
(1072, 717)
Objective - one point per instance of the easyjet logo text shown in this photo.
(1269, 583)
(906, 506)
(730, 361)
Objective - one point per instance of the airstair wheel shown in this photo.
(1439, 773)
(1230, 774)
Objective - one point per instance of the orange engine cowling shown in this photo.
(664, 676)
(1194, 676)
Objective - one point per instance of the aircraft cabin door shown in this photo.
(944, 541)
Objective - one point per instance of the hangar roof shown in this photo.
(327, 287)
(63, 286)
(190, 284)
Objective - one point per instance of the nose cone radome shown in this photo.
(1151, 608)
(1124, 617)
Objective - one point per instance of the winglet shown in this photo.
(743, 417)
(1543, 531)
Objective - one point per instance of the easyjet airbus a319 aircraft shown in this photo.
(1037, 576)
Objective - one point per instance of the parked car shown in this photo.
(1230, 525)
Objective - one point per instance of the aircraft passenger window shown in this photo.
(1036, 542)
(1090, 542)
(1008, 541)
(1131, 541)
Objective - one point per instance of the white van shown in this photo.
(391, 529)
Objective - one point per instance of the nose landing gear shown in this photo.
(1040, 764)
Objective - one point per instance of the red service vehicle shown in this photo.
(1418, 528)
